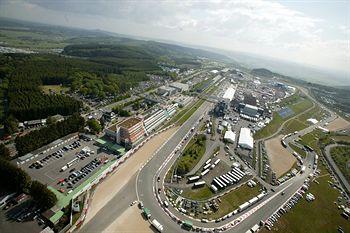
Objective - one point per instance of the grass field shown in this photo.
(232, 200)
(193, 152)
(55, 88)
(198, 194)
(341, 156)
(300, 151)
(292, 126)
(321, 215)
(311, 139)
(298, 105)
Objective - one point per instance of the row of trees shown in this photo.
(16, 180)
(38, 138)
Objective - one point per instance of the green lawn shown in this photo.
(341, 156)
(292, 126)
(321, 215)
(298, 105)
(54, 88)
(198, 194)
(193, 152)
(300, 151)
(234, 199)
(271, 128)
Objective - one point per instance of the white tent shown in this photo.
(230, 136)
(312, 121)
(229, 94)
(245, 140)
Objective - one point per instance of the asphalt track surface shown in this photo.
(147, 187)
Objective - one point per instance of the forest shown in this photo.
(38, 138)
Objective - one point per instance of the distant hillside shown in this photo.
(42, 37)
(263, 72)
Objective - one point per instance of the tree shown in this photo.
(50, 120)
(43, 196)
(94, 125)
(11, 125)
(4, 152)
(38, 138)
(12, 177)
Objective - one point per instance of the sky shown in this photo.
(310, 32)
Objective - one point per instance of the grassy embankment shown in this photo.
(193, 152)
(321, 215)
(340, 155)
(297, 104)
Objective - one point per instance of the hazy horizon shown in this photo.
(315, 34)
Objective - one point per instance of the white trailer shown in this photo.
(193, 178)
(239, 171)
(206, 166)
(208, 161)
(222, 181)
(217, 161)
(260, 196)
(225, 180)
(229, 178)
(244, 206)
(204, 172)
(233, 178)
(236, 175)
(157, 225)
(253, 200)
(218, 183)
(199, 184)
(233, 172)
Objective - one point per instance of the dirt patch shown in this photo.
(338, 124)
(130, 221)
(281, 160)
(105, 191)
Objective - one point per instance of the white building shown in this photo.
(179, 86)
(230, 136)
(312, 121)
(245, 140)
(229, 94)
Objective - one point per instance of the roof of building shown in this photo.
(179, 85)
(130, 122)
(312, 120)
(127, 123)
(229, 135)
(250, 110)
(245, 138)
(229, 93)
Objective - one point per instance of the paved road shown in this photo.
(335, 168)
(147, 186)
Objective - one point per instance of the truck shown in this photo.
(146, 212)
(283, 143)
(187, 225)
(157, 225)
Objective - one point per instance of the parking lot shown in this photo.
(68, 165)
